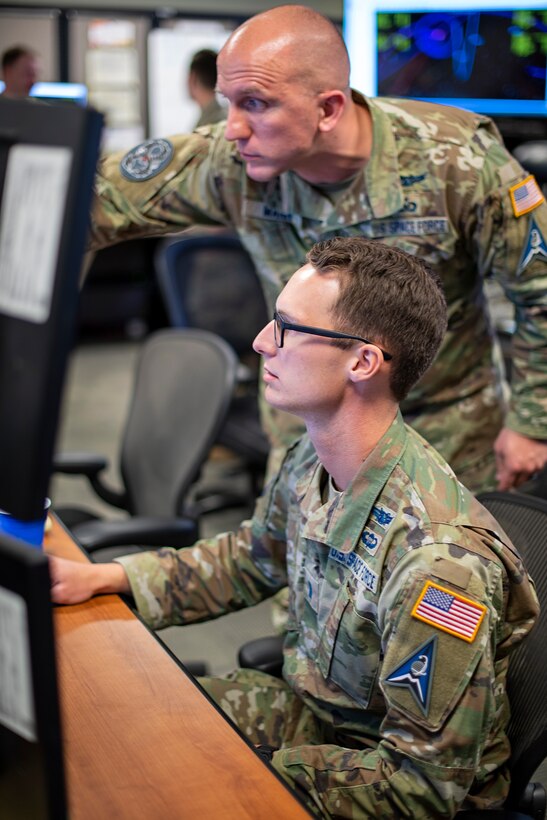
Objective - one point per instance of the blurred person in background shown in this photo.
(202, 80)
(20, 71)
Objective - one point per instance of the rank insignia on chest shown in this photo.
(371, 541)
(382, 516)
(448, 611)
(415, 673)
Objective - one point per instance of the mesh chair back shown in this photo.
(524, 519)
(209, 281)
(183, 387)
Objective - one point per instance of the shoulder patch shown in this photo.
(415, 673)
(449, 611)
(525, 196)
(146, 160)
(535, 246)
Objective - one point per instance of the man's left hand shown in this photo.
(517, 458)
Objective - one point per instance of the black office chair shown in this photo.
(183, 387)
(208, 280)
(524, 519)
(533, 157)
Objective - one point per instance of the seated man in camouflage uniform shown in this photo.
(406, 597)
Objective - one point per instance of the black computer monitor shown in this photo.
(489, 56)
(48, 156)
(32, 782)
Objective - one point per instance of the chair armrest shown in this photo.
(87, 464)
(265, 654)
(146, 531)
(90, 465)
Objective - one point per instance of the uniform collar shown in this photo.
(364, 198)
(339, 523)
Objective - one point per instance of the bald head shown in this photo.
(306, 44)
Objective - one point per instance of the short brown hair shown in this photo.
(390, 297)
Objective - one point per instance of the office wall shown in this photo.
(135, 74)
(332, 8)
(38, 30)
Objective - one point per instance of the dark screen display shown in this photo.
(493, 60)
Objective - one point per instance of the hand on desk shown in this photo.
(517, 458)
(73, 582)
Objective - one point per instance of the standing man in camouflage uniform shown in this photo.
(202, 81)
(302, 157)
(405, 597)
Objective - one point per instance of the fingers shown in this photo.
(518, 458)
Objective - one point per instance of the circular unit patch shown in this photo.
(146, 160)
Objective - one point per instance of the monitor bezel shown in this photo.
(24, 571)
(359, 29)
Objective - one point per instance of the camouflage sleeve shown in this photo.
(444, 703)
(185, 192)
(216, 575)
(507, 229)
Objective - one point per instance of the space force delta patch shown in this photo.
(535, 247)
(415, 673)
(448, 611)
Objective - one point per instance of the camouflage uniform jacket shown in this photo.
(405, 601)
(437, 185)
(213, 112)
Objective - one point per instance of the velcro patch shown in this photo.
(359, 568)
(535, 246)
(435, 682)
(415, 673)
(382, 515)
(370, 540)
(525, 196)
(146, 160)
(448, 611)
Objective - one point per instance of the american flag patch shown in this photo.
(449, 611)
(525, 196)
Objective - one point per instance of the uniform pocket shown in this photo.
(349, 649)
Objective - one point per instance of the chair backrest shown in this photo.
(182, 391)
(209, 281)
(524, 519)
(533, 157)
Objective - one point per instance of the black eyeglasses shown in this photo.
(280, 326)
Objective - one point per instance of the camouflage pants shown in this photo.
(320, 766)
(264, 708)
(268, 712)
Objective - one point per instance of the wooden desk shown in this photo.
(141, 741)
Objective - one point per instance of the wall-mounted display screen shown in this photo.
(489, 57)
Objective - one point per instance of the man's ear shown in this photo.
(366, 363)
(332, 104)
